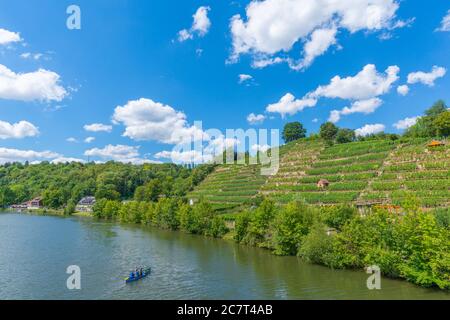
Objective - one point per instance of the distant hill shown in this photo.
(364, 173)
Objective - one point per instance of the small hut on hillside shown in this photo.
(323, 184)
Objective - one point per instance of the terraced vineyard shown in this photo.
(348, 168)
(367, 172)
(413, 169)
(230, 187)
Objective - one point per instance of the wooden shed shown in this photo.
(323, 183)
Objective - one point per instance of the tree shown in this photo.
(442, 124)
(328, 132)
(293, 131)
(426, 126)
(345, 136)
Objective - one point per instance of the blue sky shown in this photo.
(130, 51)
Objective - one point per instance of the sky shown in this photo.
(129, 80)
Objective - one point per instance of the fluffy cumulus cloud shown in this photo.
(42, 85)
(8, 37)
(369, 129)
(405, 123)
(403, 90)
(145, 119)
(361, 106)
(19, 130)
(191, 156)
(362, 89)
(16, 155)
(200, 25)
(119, 153)
(445, 23)
(72, 140)
(98, 127)
(288, 104)
(255, 118)
(427, 78)
(272, 27)
(366, 84)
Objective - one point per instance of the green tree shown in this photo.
(293, 131)
(328, 132)
(345, 136)
(292, 222)
(426, 125)
(442, 124)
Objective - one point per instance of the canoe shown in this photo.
(146, 272)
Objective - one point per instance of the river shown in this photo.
(35, 252)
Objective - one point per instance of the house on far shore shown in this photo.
(35, 204)
(85, 204)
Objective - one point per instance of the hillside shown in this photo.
(365, 172)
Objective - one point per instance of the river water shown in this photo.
(35, 252)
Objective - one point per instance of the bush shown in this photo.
(337, 216)
(317, 246)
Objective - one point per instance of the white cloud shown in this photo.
(361, 106)
(72, 140)
(19, 130)
(369, 129)
(119, 153)
(273, 27)
(317, 45)
(89, 139)
(29, 55)
(244, 78)
(255, 118)
(403, 90)
(114, 152)
(200, 25)
(97, 127)
(445, 23)
(368, 83)
(315, 120)
(288, 104)
(40, 85)
(16, 155)
(427, 78)
(7, 37)
(145, 119)
(363, 89)
(191, 156)
(405, 123)
(65, 160)
(259, 148)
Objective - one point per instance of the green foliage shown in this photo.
(292, 223)
(442, 124)
(345, 136)
(328, 132)
(337, 216)
(435, 122)
(59, 184)
(317, 246)
(442, 216)
(293, 131)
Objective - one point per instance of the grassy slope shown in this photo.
(360, 172)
